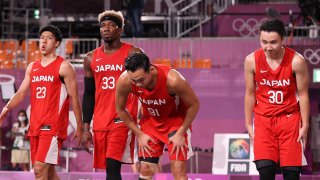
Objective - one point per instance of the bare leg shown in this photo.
(41, 170)
(136, 167)
(53, 173)
(147, 170)
(179, 169)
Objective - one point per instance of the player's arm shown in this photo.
(19, 95)
(123, 90)
(177, 85)
(300, 69)
(68, 73)
(89, 92)
(249, 99)
(88, 101)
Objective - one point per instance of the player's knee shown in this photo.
(147, 169)
(178, 167)
(291, 172)
(39, 170)
(148, 166)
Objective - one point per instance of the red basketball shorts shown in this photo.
(275, 138)
(159, 145)
(45, 148)
(117, 144)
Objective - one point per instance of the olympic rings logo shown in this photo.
(247, 27)
(313, 56)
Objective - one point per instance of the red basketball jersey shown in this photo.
(49, 100)
(106, 69)
(276, 90)
(161, 111)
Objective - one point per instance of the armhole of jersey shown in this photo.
(94, 54)
(60, 77)
(32, 66)
(127, 48)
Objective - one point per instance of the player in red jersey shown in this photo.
(169, 105)
(113, 141)
(52, 80)
(277, 94)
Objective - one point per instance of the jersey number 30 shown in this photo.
(276, 97)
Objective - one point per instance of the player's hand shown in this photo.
(303, 133)
(86, 140)
(251, 134)
(78, 134)
(179, 144)
(143, 141)
(3, 114)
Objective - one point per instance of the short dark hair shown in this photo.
(273, 25)
(54, 30)
(137, 61)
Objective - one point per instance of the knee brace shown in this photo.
(267, 169)
(154, 160)
(291, 172)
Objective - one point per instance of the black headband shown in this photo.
(116, 20)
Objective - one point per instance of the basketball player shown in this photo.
(113, 142)
(277, 94)
(169, 105)
(52, 80)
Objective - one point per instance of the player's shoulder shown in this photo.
(249, 63)
(250, 58)
(29, 67)
(124, 77)
(298, 62)
(65, 67)
(298, 57)
(124, 82)
(89, 54)
(134, 49)
(174, 78)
